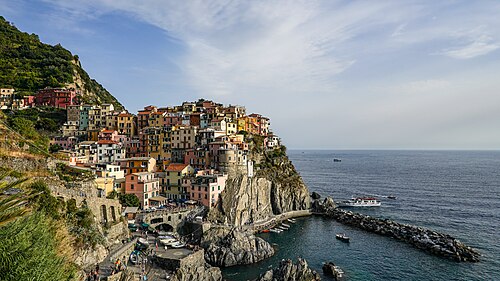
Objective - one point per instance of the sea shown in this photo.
(455, 192)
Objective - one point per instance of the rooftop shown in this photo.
(176, 167)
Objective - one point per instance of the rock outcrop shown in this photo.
(330, 269)
(200, 271)
(271, 191)
(227, 247)
(431, 241)
(319, 206)
(288, 271)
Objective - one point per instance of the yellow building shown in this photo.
(105, 185)
(127, 124)
(171, 181)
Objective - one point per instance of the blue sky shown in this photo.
(329, 74)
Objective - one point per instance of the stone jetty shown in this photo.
(436, 243)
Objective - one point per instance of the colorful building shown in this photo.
(206, 189)
(172, 184)
(60, 97)
(145, 186)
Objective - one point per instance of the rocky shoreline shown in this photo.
(433, 242)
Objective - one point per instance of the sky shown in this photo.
(330, 74)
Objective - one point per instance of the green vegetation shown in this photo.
(129, 200)
(70, 174)
(34, 245)
(27, 65)
(29, 251)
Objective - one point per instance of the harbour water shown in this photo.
(455, 192)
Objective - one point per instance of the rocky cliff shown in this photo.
(228, 247)
(275, 188)
(288, 271)
(201, 271)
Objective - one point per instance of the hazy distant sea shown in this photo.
(457, 192)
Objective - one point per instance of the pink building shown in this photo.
(111, 135)
(146, 187)
(66, 143)
(207, 188)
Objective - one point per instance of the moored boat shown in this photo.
(291, 220)
(360, 202)
(275, 230)
(342, 237)
(392, 197)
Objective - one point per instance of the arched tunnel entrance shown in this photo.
(164, 227)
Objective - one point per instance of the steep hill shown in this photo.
(27, 65)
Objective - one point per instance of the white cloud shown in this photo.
(482, 45)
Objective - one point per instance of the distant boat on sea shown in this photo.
(360, 202)
(337, 160)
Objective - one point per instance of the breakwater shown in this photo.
(436, 243)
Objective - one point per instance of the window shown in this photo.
(212, 188)
(218, 187)
(206, 196)
(132, 186)
(132, 177)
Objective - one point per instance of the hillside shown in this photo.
(27, 65)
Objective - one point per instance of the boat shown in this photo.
(360, 202)
(342, 237)
(337, 160)
(282, 227)
(285, 225)
(168, 241)
(178, 245)
(275, 230)
(265, 231)
(392, 197)
(292, 220)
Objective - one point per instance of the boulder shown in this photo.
(289, 271)
(227, 247)
(330, 269)
(315, 195)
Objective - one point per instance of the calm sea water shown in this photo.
(457, 192)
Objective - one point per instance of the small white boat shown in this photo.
(178, 245)
(292, 220)
(285, 225)
(342, 237)
(282, 227)
(360, 202)
(275, 230)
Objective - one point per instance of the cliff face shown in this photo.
(275, 188)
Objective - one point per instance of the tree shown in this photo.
(129, 200)
(11, 206)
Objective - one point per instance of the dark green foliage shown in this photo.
(54, 148)
(70, 174)
(26, 128)
(28, 251)
(112, 195)
(129, 200)
(81, 224)
(44, 201)
(27, 65)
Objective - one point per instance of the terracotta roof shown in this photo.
(144, 112)
(176, 167)
(106, 142)
(124, 115)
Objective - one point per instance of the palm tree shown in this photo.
(12, 206)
